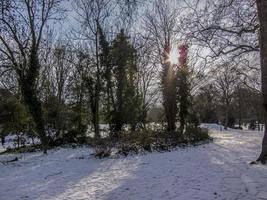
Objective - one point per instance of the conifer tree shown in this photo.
(183, 87)
(125, 70)
(106, 64)
(169, 87)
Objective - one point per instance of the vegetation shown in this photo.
(100, 83)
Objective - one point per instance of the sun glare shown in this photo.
(173, 56)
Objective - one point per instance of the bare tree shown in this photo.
(22, 24)
(147, 75)
(62, 68)
(227, 27)
(226, 82)
(161, 25)
(92, 16)
(230, 28)
(262, 15)
(80, 65)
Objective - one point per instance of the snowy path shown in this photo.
(218, 170)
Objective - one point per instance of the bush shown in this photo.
(22, 149)
(102, 152)
(147, 140)
(196, 134)
(126, 149)
(103, 148)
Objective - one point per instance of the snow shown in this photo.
(217, 170)
(10, 142)
(213, 127)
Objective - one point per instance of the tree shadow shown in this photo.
(219, 170)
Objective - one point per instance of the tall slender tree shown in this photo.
(106, 63)
(93, 15)
(183, 87)
(125, 70)
(161, 27)
(169, 91)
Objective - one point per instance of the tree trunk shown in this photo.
(36, 111)
(226, 120)
(239, 108)
(97, 90)
(28, 88)
(183, 94)
(262, 15)
(2, 140)
(182, 123)
(169, 91)
(18, 140)
(95, 112)
(96, 125)
(118, 121)
(108, 96)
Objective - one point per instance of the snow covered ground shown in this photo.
(218, 170)
(11, 142)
